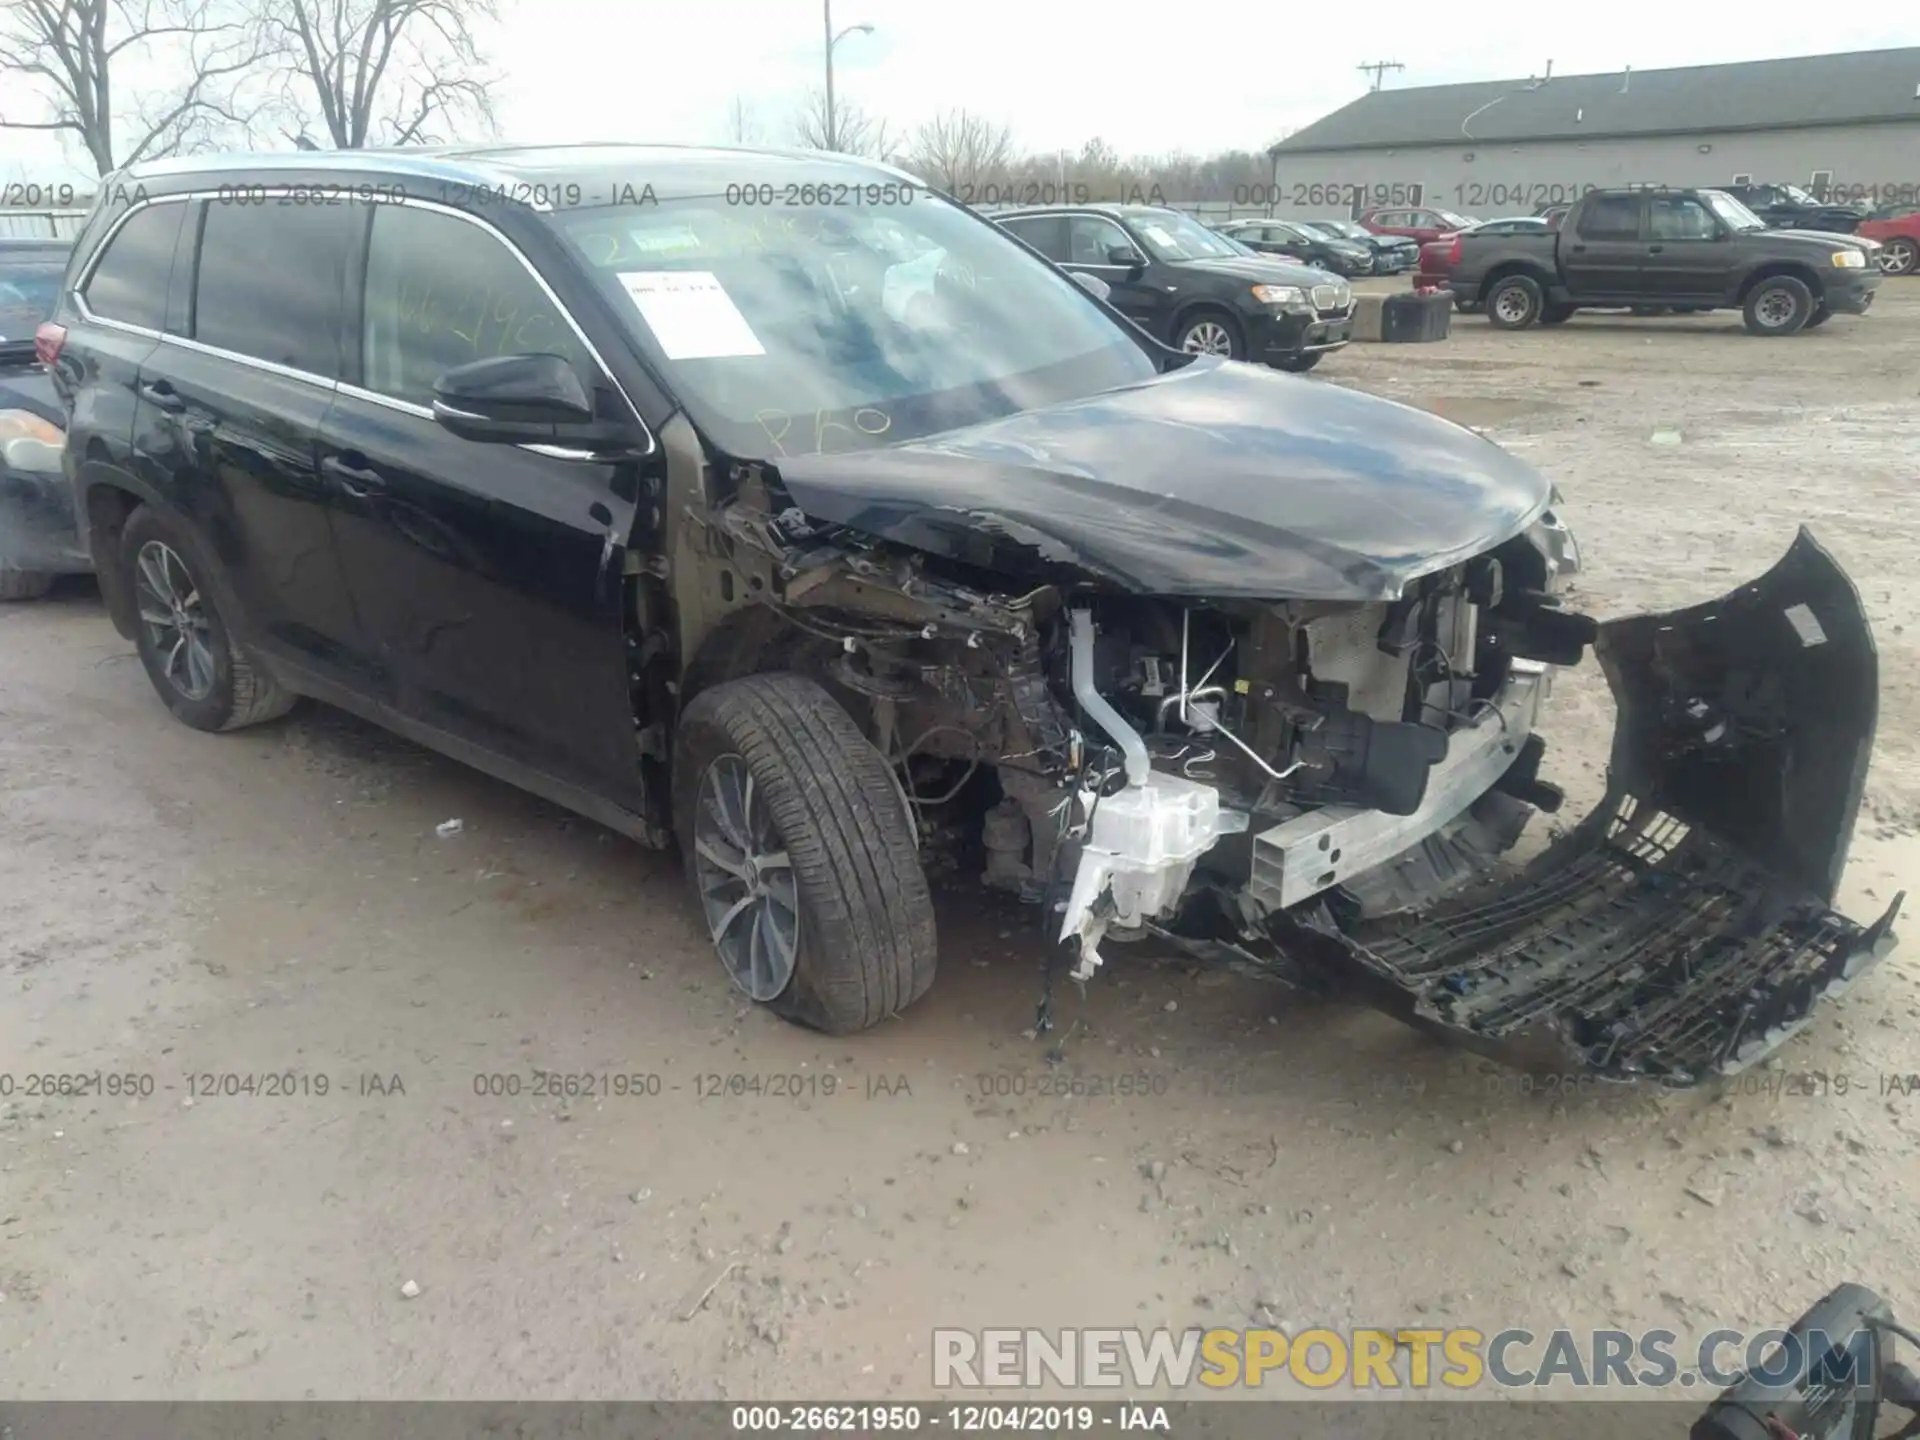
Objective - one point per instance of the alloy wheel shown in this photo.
(178, 627)
(746, 881)
(1208, 337)
(1897, 256)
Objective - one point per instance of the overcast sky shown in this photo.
(1143, 76)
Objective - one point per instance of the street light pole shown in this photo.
(826, 14)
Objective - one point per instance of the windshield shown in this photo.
(1172, 236)
(789, 330)
(1731, 212)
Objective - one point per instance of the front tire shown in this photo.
(801, 854)
(1211, 332)
(1300, 364)
(201, 674)
(1779, 305)
(1515, 303)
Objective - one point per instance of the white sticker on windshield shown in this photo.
(690, 314)
(664, 242)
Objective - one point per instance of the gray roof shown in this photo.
(1864, 85)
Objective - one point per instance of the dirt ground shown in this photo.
(175, 904)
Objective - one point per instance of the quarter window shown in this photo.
(441, 292)
(270, 281)
(130, 282)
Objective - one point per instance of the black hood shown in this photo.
(1218, 480)
(1255, 270)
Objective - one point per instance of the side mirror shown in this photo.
(513, 400)
(1125, 256)
(1092, 284)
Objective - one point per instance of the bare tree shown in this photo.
(855, 131)
(385, 72)
(80, 56)
(960, 148)
(743, 122)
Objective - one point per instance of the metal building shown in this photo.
(1846, 125)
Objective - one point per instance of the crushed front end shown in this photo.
(1328, 788)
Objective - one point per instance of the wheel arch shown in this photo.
(1793, 269)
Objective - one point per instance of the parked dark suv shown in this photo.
(1196, 290)
(773, 504)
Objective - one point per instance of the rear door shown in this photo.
(233, 402)
(113, 326)
(1603, 254)
(491, 575)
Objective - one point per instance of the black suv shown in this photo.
(774, 505)
(1195, 289)
(38, 539)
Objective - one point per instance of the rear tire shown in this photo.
(1514, 303)
(1779, 305)
(200, 672)
(843, 870)
(24, 584)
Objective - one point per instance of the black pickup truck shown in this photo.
(1680, 249)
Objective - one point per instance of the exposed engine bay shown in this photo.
(1321, 788)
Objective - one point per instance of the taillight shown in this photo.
(1453, 251)
(47, 341)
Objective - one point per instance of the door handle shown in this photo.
(163, 396)
(358, 480)
(1578, 249)
(1655, 249)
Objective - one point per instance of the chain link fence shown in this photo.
(41, 224)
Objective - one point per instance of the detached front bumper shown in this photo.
(1685, 928)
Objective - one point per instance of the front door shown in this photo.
(1091, 243)
(1690, 256)
(1603, 255)
(491, 574)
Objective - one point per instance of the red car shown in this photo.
(1897, 228)
(1414, 221)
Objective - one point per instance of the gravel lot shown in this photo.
(174, 904)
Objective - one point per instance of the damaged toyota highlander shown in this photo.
(771, 505)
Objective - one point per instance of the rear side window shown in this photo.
(1046, 233)
(1611, 217)
(130, 282)
(443, 292)
(270, 281)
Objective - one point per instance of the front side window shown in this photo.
(269, 282)
(1090, 238)
(1680, 217)
(797, 329)
(1172, 236)
(443, 291)
(130, 282)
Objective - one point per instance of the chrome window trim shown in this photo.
(341, 386)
